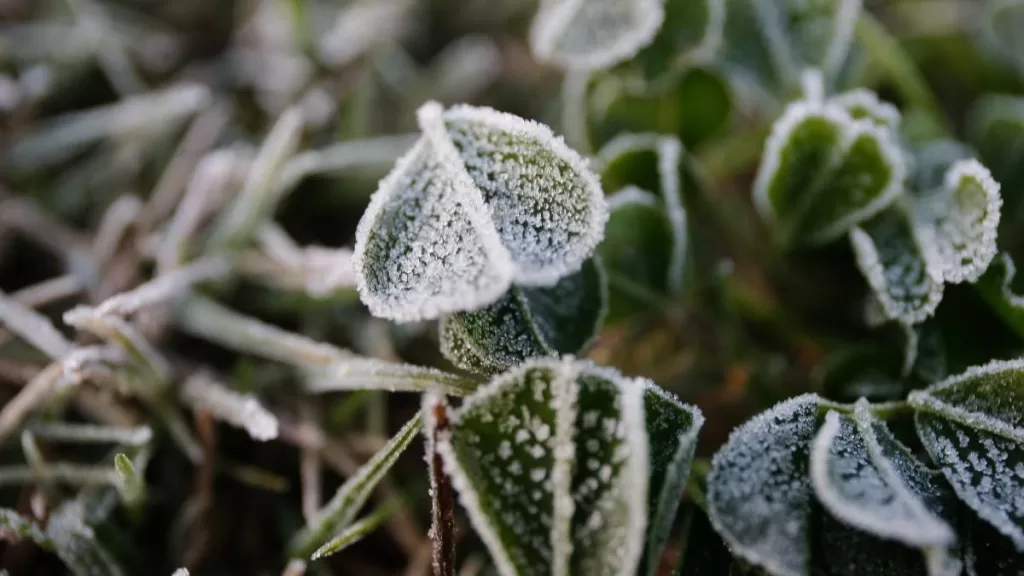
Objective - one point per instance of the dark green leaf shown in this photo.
(995, 287)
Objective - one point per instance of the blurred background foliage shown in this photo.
(109, 108)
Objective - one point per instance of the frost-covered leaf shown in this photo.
(863, 104)
(75, 542)
(931, 161)
(973, 427)
(593, 34)
(23, 528)
(865, 478)
(482, 200)
(996, 287)
(691, 34)
(897, 258)
(672, 429)
(989, 553)
(626, 163)
(550, 461)
(759, 489)
(1003, 29)
(965, 214)
(824, 172)
(925, 356)
(528, 322)
(341, 510)
(771, 43)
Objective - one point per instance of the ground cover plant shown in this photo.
(576, 287)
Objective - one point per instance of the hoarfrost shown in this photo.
(966, 230)
(594, 34)
(759, 490)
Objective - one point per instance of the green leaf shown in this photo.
(866, 479)
(672, 429)
(863, 104)
(355, 532)
(995, 286)
(550, 461)
(759, 489)
(1002, 24)
(132, 486)
(995, 127)
(823, 172)
(24, 529)
(932, 160)
(527, 323)
(482, 201)
(972, 425)
(593, 34)
(341, 510)
(75, 542)
(626, 161)
(989, 553)
(898, 259)
(691, 34)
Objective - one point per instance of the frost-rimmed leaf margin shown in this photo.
(848, 131)
(861, 103)
(747, 511)
(566, 383)
(968, 262)
(555, 18)
(669, 153)
(493, 267)
(667, 478)
(950, 403)
(996, 287)
(917, 243)
(535, 334)
(898, 511)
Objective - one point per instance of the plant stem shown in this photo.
(442, 530)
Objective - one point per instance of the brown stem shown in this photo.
(442, 530)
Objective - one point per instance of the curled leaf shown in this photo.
(965, 231)
(527, 323)
(824, 172)
(898, 259)
(972, 425)
(550, 461)
(483, 200)
(593, 34)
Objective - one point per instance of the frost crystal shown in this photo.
(594, 34)
(543, 500)
(759, 490)
(482, 200)
(865, 478)
(966, 230)
(973, 426)
(824, 171)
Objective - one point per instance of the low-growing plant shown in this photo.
(894, 440)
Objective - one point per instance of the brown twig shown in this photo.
(442, 529)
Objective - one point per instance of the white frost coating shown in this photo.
(566, 394)
(670, 154)
(181, 572)
(864, 103)
(594, 34)
(860, 486)
(842, 35)
(966, 232)
(573, 210)
(626, 144)
(1015, 300)
(759, 493)
(239, 410)
(812, 83)
(33, 327)
(631, 195)
(924, 297)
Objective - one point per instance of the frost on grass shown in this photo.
(628, 163)
(593, 34)
(759, 490)
(672, 429)
(528, 322)
(898, 259)
(824, 172)
(550, 461)
(482, 200)
(235, 408)
(965, 231)
(972, 425)
(865, 478)
(75, 542)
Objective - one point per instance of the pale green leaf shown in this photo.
(823, 172)
(354, 532)
(593, 34)
(527, 323)
(341, 510)
(898, 259)
(483, 200)
(550, 461)
(972, 425)
(865, 478)
(759, 489)
(863, 104)
(131, 486)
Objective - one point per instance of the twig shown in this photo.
(442, 529)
